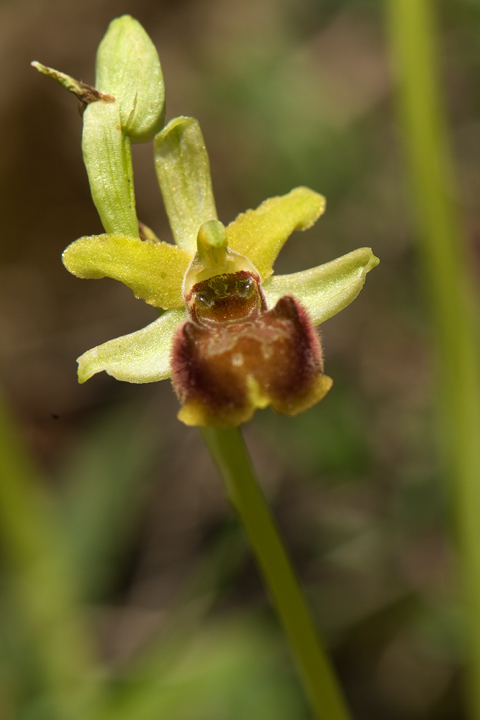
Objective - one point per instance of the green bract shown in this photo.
(108, 159)
(212, 274)
(127, 105)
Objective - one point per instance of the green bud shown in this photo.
(128, 68)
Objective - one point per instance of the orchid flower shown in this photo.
(232, 336)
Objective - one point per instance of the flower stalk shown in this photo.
(230, 455)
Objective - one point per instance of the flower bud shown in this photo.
(128, 68)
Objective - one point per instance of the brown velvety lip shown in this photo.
(234, 356)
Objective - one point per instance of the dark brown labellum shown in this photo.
(234, 355)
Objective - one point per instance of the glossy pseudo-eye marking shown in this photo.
(233, 355)
(226, 299)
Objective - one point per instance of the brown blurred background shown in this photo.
(287, 92)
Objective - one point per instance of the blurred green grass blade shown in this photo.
(39, 576)
(229, 670)
(13, 674)
(105, 479)
(19, 681)
(165, 649)
(452, 295)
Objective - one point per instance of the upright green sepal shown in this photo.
(107, 156)
(183, 172)
(128, 68)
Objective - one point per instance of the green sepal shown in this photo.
(128, 68)
(183, 172)
(326, 289)
(153, 270)
(260, 234)
(107, 156)
(141, 357)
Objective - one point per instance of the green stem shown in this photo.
(451, 287)
(231, 457)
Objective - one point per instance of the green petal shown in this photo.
(141, 357)
(183, 171)
(128, 68)
(327, 289)
(107, 157)
(260, 234)
(153, 270)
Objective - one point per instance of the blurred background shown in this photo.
(287, 92)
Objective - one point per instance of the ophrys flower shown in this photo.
(232, 336)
